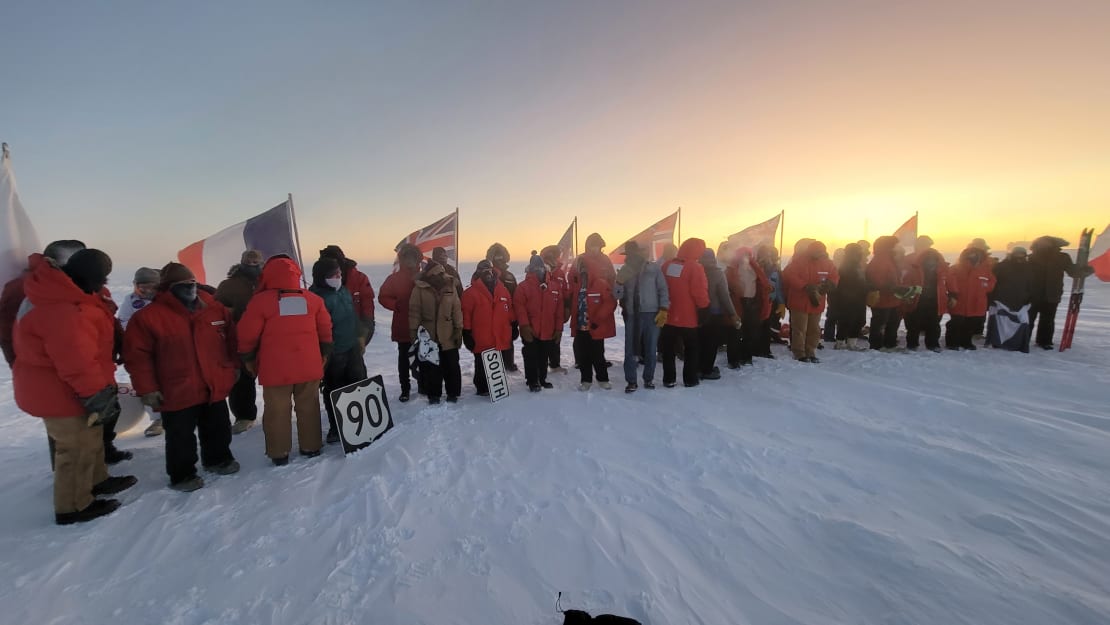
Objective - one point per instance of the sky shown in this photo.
(141, 127)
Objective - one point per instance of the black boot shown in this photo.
(98, 508)
(115, 455)
(113, 485)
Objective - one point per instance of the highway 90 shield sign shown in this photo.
(363, 413)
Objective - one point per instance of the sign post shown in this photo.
(496, 379)
(363, 413)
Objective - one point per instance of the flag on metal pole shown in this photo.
(272, 232)
(754, 236)
(566, 244)
(907, 234)
(655, 238)
(441, 233)
(18, 238)
(1099, 256)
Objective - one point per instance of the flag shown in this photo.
(566, 244)
(907, 234)
(1099, 258)
(754, 236)
(442, 233)
(654, 239)
(18, 238)
(1009, 329)
(271, 233)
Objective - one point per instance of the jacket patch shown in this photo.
(292, 306)
(674, 270)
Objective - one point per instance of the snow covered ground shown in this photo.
(871, 489)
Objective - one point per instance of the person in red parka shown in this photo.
(809, 277)
(750, 291)
(360, 289)
(927, 274)
(284, 339)
(885, 276)
(593, 312)
(688, 289)
(552, 256)
(488, 316)
(540, 304)
(394, 295)
(973, 280)
(65, 373)
(180, 352)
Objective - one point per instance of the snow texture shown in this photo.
(954, 488)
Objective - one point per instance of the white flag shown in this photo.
(18, 238)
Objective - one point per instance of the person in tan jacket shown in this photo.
(435, 307)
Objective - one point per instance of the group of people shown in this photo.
(196, 354)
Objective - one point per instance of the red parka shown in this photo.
(542, 306)
(687, 285)
(361, 290)
(762, 288)
(883, 274)
(394, 295)
(10, 299)
(64, 342)
(285, 328)
(914, 276)
(804, 271)
(189, 356)
(488, 316)
(973, 285)
(601, 306)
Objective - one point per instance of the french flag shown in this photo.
(271, 233)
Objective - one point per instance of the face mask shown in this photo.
(334, 283)
(187, 293)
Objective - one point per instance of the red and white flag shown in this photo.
(1099, 258)
(757, 235)
(18, 238)
(442, 233)
(566, 244)
(654, 239)
(271, 233)
(907, 234)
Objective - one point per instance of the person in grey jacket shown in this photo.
(714, 322)
(642, 293)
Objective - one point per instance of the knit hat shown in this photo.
(535, 263)
(324, 269)
(146, 275)
(924, 241)
(251, 257)
(89, 269)
(631, 247)
(980, 245)
(333, 251)
(1019, 251)
(551, 254)
(174, 273)
(595, 240)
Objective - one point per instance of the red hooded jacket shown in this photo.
(762, 288)
(686, 284)
(601, 306)
(187, 355)
(361, 290)
(808, 271)
(915, 276)
(64, 342)
(973, 283)
(883, 274)
(10, 300)
(285, 327)
(488, 316)
(542, 306)
(394, 295)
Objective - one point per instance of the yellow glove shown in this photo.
(781, 310)
(661, 318)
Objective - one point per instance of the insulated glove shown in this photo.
(661, 318)
(468, 340)
(516, 331)
(526, 334)
(102, 407)
(814, 293)
(154, 400)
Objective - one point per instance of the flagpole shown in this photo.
(576, 236)
(782, 228)
(680, 225)
(457, 228)
(297, 238)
